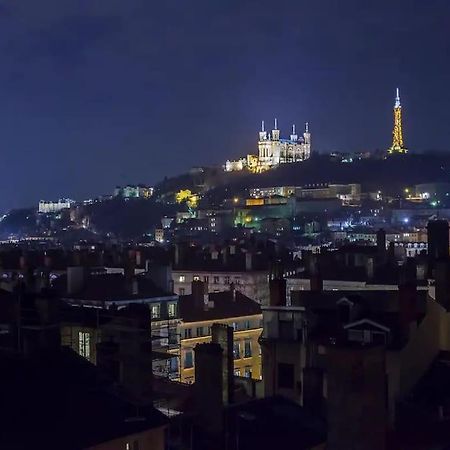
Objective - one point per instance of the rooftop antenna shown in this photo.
(293, 128)
(397, 99)
(276, 124)
(262, 125)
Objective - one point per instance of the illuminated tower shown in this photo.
(397, 133)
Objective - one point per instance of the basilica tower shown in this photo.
(397, 133)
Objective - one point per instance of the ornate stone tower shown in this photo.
(397, 133)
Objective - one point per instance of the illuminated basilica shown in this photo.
(273, 150)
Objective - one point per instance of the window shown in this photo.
(156, 311)
(235, 326)
(196, 278)
(247, 324)
(248, 372)
(199, 331)
(216, 280)
(236, 350)
(182, 291)
(247, 349)
(206, 279)
(172, 309)
(227, 280)
(209, 331)
(188, 360)
(285, 375)
(187, 333)
(237, 372)
(182, 278)
(84, 344)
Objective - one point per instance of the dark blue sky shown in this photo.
(95, 93)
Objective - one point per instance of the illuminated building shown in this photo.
(53, 207)
(131, 191)
(273, 151)
(201, 310)
(397, 133)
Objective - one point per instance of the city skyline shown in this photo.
(96, 96)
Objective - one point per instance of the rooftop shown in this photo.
(223, 306)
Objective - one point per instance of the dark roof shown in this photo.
(57, 401)
(110, 287)
(223, 307)
(276, 422)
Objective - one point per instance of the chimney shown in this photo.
(438, 241)
(223, 335)
(442, 282)
(277, 286)
(233, 292)
(134, 286)
(126, 352)
(225, 256)
(249, 261)
(48, 261)
(160, 275)
(198, 293)
(138, 258)
(76, 278)
(381, 246)
(41, 332)
(208, 388)
(407, 295)
(316, 282)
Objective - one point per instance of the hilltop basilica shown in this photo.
(273, 150)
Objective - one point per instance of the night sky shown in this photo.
(96, 93)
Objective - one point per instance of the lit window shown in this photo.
(182, 279)
(236, 350)
(172, 309)
(188, 360)
(248, 372)
(156, 311)
(247, 349)
(196, 278)
(84, 344)
(237, 372)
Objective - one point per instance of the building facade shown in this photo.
(55, 206)
(198, 313)
(253, 283)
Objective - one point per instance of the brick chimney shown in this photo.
(208, 388)
(126, 352)
(223, 335)
(277, 286)
(198, 293)
(407, 295)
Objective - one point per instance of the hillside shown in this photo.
(389, 175)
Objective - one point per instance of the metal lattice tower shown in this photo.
(397, 132)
